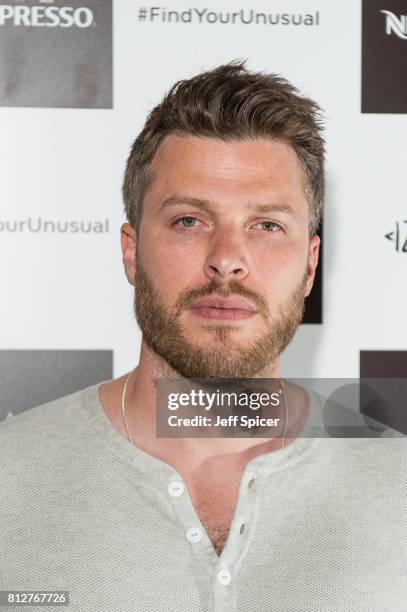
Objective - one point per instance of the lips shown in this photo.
(227, 303)
(223, 308)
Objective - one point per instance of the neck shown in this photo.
(140, 407)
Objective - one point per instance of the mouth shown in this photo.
(233, 308)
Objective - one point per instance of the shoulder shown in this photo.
(41, 434)
(354, 445)
(52, 414)
(47, 454)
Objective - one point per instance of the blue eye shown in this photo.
(188, 219)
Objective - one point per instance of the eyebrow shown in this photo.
(211, 206)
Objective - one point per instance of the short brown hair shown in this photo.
(231, 103)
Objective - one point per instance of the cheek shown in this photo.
(173, 268)
(280, 264)
(176, 263)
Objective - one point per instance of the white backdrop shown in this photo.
(68, 291)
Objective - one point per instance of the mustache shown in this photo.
(214, 288)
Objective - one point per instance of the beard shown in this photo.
(223, 358)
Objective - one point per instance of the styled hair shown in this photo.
(231, 103)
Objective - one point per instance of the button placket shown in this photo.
(176, 488)
(251, 483)
(224, 577)
(232, 556)
(194, 534)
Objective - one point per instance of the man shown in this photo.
(223, 193)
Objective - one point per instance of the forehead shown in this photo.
(255, 164)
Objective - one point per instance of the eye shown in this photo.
(188, 221)
(270, 226)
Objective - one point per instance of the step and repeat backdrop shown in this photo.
(77, 78)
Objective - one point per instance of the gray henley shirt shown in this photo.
(81, 509)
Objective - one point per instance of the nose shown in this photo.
(226, 258)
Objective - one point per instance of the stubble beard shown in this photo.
(225, 357)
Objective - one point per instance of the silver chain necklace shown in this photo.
(127, 427)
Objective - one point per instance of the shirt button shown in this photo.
(176, 488)
(242, 528)
(224, 577)
(251, 483)
(194, 534)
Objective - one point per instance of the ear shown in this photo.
(128, 239)
(313, 255)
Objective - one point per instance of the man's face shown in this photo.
(222, 221)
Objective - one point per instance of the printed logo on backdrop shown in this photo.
(384, 56)
(396, 25)
(40, 225)
(238, 16)
(398, 236)
(56, 53)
